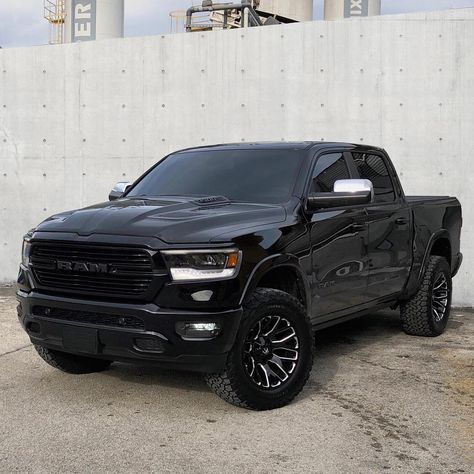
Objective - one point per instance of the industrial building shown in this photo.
(94, 108)
(74, 21)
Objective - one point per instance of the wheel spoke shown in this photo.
(277, 321)
(265, 373)
(275, 360)
(285, 338)
(256, 376)
(288, 351)
(259, 329)
(441, 303)
(441, 282)
(252, 370)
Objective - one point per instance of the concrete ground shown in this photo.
(377, 401)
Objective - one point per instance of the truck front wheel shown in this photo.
(272, 356)
(427, 312)
(70, 363)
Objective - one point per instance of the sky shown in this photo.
(22, 23)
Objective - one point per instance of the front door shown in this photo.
(338, 245)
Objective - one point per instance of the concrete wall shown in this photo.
(75, 119)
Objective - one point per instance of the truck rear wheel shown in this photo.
(71, 363)
(427, 312)
(272, 356)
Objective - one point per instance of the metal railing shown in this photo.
(55, 12)
(221, 15)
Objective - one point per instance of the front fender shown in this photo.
(271, 263)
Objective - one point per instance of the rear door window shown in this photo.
(374, 168)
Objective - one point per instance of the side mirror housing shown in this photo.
(347, 192)
(118, 190)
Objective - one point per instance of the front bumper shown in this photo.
(104, 330)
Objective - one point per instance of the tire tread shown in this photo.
(70, 363)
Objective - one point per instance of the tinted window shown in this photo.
(374, 168)
(266, 176)
(329, 169)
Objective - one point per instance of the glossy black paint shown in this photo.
(117, 343)
(340, 262)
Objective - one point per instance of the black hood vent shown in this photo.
(211, 200)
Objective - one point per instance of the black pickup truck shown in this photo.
(225, 259)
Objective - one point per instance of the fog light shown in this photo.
(204, 295)
(34, 328)
(198, 331)
(149, 345)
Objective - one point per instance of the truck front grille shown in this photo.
(87, 317)
(96, 269)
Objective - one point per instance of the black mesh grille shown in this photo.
(87, 317)
(94, 269)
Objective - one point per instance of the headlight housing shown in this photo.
(25, 252)
(197, 265)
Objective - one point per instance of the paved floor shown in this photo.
(377, 401)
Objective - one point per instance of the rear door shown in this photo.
(338, 243)
(389, 244)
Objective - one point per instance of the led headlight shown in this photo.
(195, 265)
(25, 252)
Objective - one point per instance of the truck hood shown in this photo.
(173, 220)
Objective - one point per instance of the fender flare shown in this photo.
(271, 263)
(440, 234)
(415, 280)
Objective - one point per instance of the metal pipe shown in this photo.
(221, 7)
(226, 19)
(254, 16)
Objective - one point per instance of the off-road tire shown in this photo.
(71, 363)
(417, 315)
(234, 384)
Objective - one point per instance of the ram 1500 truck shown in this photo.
(225, 260)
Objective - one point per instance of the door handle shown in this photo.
(401, 221)
(358, 227)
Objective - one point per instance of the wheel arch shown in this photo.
(280, 272)
(440, 245)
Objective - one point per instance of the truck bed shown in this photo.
(430, 199)
(435, 216)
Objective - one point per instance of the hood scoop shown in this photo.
(211, 201)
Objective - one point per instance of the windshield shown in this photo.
(266, 176)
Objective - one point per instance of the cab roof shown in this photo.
(283, 145)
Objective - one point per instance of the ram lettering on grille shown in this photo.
(85, 267)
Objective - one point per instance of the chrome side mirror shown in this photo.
(118, 190)
(355, 186)
(347, 192)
